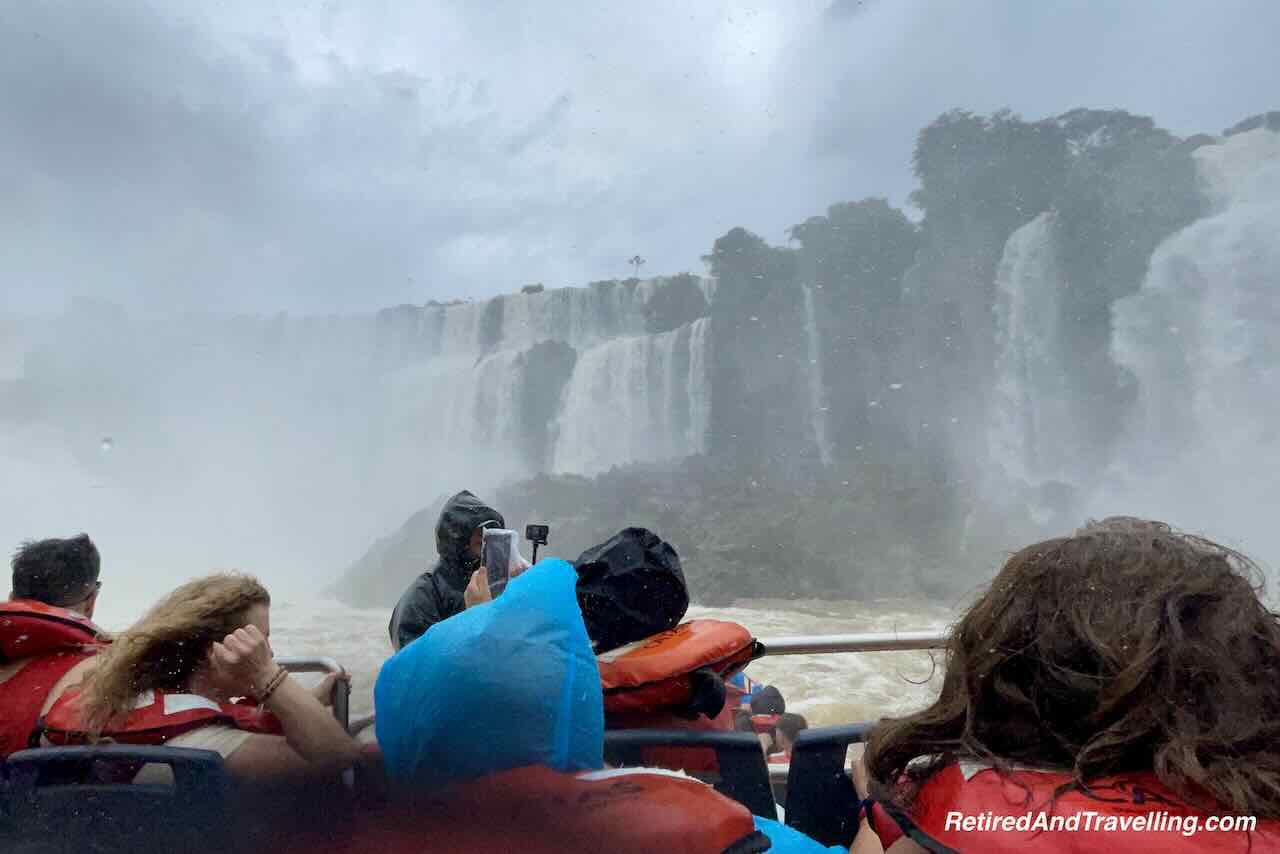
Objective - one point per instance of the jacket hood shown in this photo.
(462, 514)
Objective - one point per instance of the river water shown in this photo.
(826, 689)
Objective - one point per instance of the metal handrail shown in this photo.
(865, 642)
(323, 664)
(796, 645)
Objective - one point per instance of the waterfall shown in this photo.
(1202, 339)
(333, 425)
(817, 392)
(1030, 431)
(636, 399)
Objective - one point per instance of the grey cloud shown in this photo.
(540, 127)
(218, 157)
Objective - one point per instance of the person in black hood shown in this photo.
(438, 594)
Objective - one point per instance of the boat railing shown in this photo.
(323, 664)
(801, 645)
(859, 642)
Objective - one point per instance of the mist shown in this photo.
(213, 213)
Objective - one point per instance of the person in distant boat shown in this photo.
(768, 701)
(1127, 672)
(440, 592)
(173, 677)
(46, 631)
(767, 705)
(789, 726)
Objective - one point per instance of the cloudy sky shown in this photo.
(329, 156)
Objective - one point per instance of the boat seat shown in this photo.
(821, 800)
(82, 799)
(743, 774)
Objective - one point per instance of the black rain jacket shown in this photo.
(437, 595)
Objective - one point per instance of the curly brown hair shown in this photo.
(1124, 648)
(165, 647)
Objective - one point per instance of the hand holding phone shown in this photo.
(496, 553)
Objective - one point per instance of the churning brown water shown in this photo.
(827, 689)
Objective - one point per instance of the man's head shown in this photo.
(58, 572)
(788, 727)
(768, 701)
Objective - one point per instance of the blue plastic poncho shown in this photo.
(788, 840)
(502, 685)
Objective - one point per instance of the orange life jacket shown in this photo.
(649, 684)
(654, 674)
(982, 811)
(535, 810)
(692, 759)
(160, 716)
(52, 640)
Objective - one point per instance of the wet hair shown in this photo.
(1123, 524)
(768, 701)
(1126, 647)
(56, 572)
(164, 648)
(791, 724)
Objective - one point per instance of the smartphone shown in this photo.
(496, 553)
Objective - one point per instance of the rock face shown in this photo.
(378, 578)
(783, 531)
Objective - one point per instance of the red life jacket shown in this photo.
(535, 810)
(1122, 813)
(29, 628)
(160, 716)
(765, 724)
(647, 684)
(23, 695)
(52, 640)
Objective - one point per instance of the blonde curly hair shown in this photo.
(165, 647)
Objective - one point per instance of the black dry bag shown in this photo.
(630, 587)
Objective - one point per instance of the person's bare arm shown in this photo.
(867, 842)
(313, 741)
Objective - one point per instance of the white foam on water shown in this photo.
(826, 689)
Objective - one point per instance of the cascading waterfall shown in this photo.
(635, 399)
(699, 386)
(366, 416)
(1030, 430)
(1202, 338)
(817, 392)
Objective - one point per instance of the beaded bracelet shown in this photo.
(272, 685)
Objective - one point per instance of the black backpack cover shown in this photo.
(630, 587)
